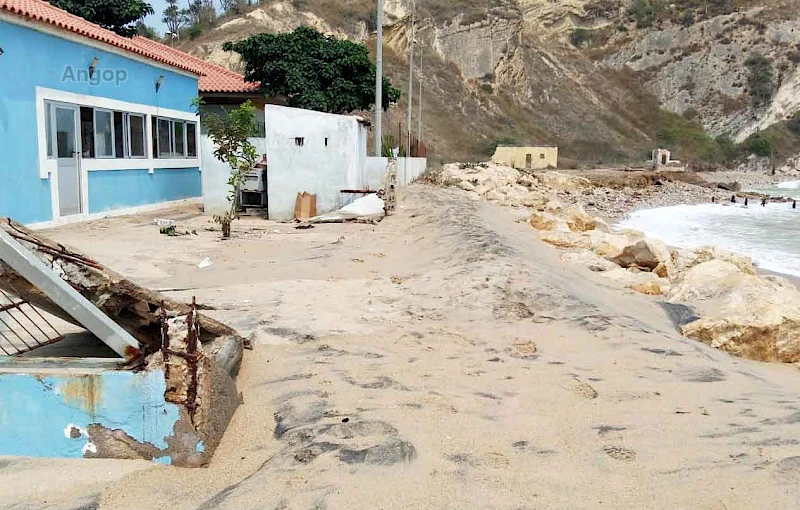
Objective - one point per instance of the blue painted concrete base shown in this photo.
(61, 414)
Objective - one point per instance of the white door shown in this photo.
(68, 154)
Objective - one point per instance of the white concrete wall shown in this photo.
(314, 167)
(408, 169)
(374, 172)
(215, 176)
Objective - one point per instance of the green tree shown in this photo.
(146, 31)
(174, 17)
(759, 79)
(202, 14)
(231, 145)
(116, 15)
(313, 71)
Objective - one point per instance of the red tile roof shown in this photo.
(215, 78)
(43, 12)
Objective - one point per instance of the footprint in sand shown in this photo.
(613, 444)
(583, 389)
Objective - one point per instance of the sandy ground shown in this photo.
(444, 358)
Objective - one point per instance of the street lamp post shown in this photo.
(379, 82)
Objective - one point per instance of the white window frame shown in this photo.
(48, 166)
(127, 120)
(50, 136)
(113, 134)
(174, 152)
(188, 123)
(172, 145)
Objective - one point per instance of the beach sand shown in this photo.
(444, 358)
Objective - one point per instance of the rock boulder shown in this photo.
(646, 253)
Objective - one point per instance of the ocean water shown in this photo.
(783, 189)
(769, 235)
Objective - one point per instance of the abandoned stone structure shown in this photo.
(529, 158)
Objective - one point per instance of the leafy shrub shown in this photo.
(580, 37)
(759, 79)
(760, 145)
(794, 124)
(486, 87)
(645, 12)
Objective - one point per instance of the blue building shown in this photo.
(90, 122)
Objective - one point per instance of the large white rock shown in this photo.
(566, 239)
(683, 260)
(756, 317)
(607, 245)
(589, 260)
(704, 281)
(578, 220)
(545, 221)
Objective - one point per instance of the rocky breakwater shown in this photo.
(721, 299)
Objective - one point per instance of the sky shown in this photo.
(154, 20)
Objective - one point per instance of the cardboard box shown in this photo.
(305, 206)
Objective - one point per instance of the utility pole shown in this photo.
(419, 78)
(379, 82)
(410, 82)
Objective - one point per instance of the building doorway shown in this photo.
(528, 161)
(68, 158)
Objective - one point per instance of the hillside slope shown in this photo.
(588, 76)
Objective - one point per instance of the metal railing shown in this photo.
(23, 328)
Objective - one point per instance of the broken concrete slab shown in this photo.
(174, 409)
(136, 309)
(65, 297)
(169, 402)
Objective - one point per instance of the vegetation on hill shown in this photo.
(119, 16)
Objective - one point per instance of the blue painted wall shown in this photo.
(116, 189)
(38, 411)
(32, 58)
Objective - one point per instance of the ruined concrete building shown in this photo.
(92, 365)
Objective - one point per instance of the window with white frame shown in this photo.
(174, 138)
(104, 133)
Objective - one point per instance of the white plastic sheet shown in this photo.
(369, 207)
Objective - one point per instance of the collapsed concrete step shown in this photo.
(168, 398)
(136, 309)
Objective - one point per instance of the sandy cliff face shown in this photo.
(703, 68)
(513, 62)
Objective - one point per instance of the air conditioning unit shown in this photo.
(254, 181)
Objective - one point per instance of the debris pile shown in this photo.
(198, 355)
(500, 184)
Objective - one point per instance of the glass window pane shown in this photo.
(191, 139)
(104, 134)
(65, 132)
(136, 125)
(164, 146)
(119, 137)
(154, 136)
(87, 132)
(48, 128)
(178, 128)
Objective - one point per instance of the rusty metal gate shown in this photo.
(23, 328)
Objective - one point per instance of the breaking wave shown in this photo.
(769, 235)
